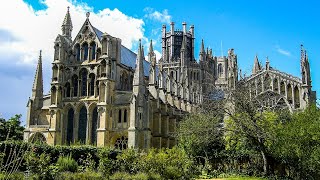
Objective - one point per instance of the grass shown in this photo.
(238, 178)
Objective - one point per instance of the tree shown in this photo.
(298, 144)
(11, 129)
(250, 121)
(200, 135)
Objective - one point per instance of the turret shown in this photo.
(67, 25)
(305, 67)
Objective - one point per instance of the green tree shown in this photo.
(200, 135)
(11, 129)
(298, 144)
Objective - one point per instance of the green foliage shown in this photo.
(80, 176)
(138, 176)
(128, 161)
(168, 163)
(11, 129)
(87, 164)
(40, 166)
(13, 176)
(107, 161)
(298, 144)
(200, 135)
(67, 163)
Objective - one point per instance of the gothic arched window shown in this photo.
(121, 143)
(85, 51)
(93, 50)
(77, 50)
(67, 90)
(82, 131)
(91, 86)
(220, 70)
(94, 126)
(83, 74)
(125, 116)
(75, 85)
(70, 126)
(119, 118)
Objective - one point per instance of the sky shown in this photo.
(273, 29)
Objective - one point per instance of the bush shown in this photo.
(138, 176)
(107, 161)
(79, 176)
(13, 176)
(66, 163)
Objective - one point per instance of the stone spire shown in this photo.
(67, 25)
(202, 51)
(256, 65)
(152, 60)
(151, 47)
(37, 88)
(138, 79)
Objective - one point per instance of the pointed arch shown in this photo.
(67, 89)
(296, 97)
(94, 126)
(84, 77)
(267, 82)
(289, 93)
(275, 85)
(38, 137)
(93, 50)
(70, 125)
(77, 50)
(85, 49)
(282, 88)
(91, 84)
(82, 129)
(75, 85)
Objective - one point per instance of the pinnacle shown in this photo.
(67, 19)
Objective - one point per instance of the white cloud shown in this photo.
(24, 31)
(162, 17)
(37, 30)
(282, 51)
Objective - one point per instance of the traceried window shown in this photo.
(85, 51)
(93, 50)
(121, 143)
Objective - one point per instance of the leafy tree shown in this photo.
(200, 135)
(298, 144)
(11, 129)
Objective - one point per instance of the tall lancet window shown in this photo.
(85, 51)
(77, 50)
(93, 50)
(220, 70)
(75, 85)
(84, 82)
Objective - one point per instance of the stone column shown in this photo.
(292, 96)
(89, 125)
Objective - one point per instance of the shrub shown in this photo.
(67, 163)
(79, 176)
(107, 161)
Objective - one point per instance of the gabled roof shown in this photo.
(128, 58)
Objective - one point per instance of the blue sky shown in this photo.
(266, 28)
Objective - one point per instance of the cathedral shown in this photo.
(104, 94)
